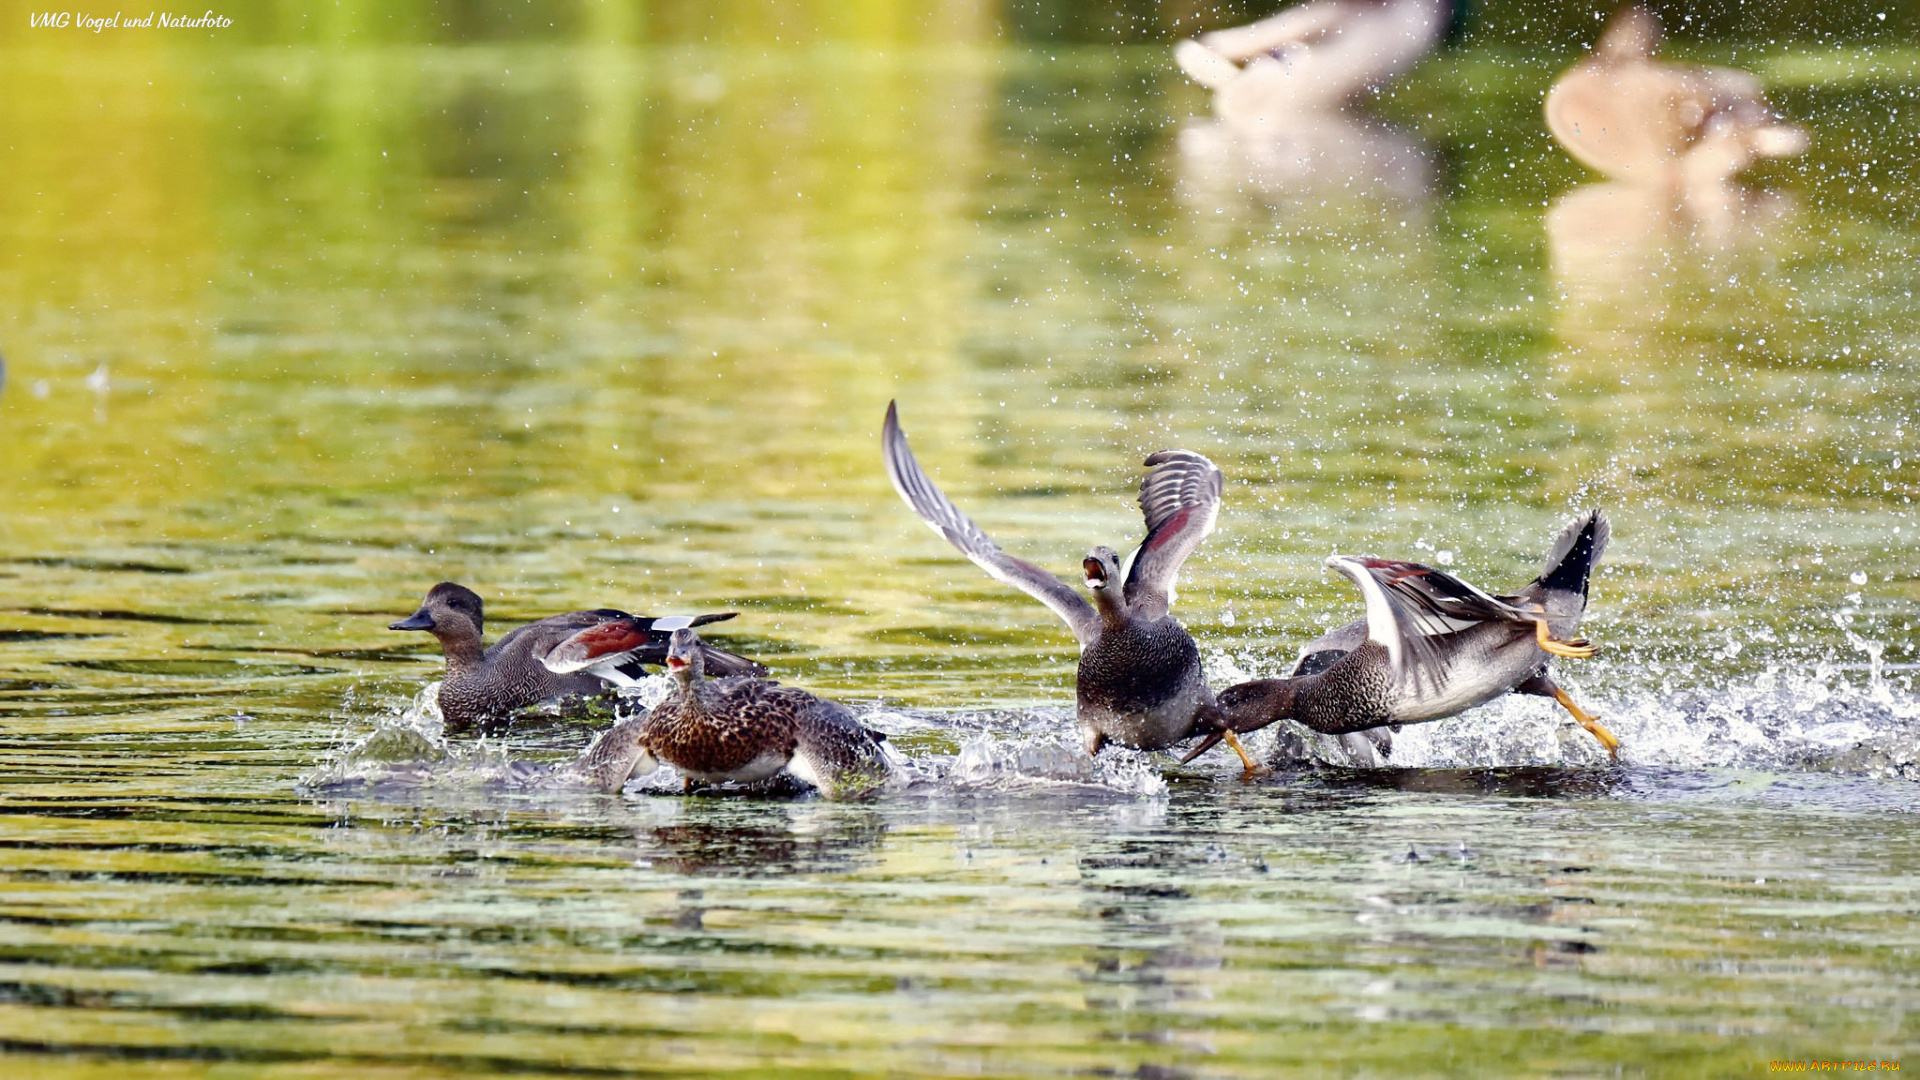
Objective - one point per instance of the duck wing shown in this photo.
(1180, 498)
(946, 519)
(1412, 608)
(616, 754)
(616, 641)
(541, 635)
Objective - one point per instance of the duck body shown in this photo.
(580, 653)
(1432, 646)
(1638, 120)
(1139, 682)
(1355, 690)
(744, 730)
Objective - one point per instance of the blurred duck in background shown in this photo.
(1670, 139)
(1638, 120)
(1280, 87)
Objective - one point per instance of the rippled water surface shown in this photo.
(291, 334)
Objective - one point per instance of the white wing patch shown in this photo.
(1382, 627)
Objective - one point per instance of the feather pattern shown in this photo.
(1410, 605)
(1180, 498)
(614, 638)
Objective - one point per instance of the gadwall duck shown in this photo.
(1432, 645)
(744, 730)
(581, 652)
(1641, 121)
(1139, 681)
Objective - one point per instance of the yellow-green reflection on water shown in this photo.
(293, 333)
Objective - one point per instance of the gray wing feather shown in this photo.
(959, 530)
(1410, 607)
(1180, 499)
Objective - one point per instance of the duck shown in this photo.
(1139, 682)
(578, 653)
(742, 729)
(1312, 57)
(1639, 120)
(1432, 645)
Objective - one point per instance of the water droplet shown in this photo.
(1858, 577)
(1443, 557)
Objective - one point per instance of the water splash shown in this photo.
(409, 748)
(1824, 718)
(1815, 721)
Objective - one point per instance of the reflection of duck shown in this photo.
(1432, 645)
(1139, 681)
(1638, 120)
(1312, 153)
(744, 730)
(761, 840)
(581, 652)
(1626, 258)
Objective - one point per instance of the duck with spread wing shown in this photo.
(1432, 645)
(1139, 682)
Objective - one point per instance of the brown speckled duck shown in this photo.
(578, 653)
(1139, 681)
(1432, 645)
(744, 730)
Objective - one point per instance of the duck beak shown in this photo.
(676, 663)
(419, 620)
(1096, 577)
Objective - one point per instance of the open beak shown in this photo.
(1096, 577)
(419, 620)
(676, 663)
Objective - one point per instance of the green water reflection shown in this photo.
(293, 332)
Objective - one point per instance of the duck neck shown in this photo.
(687, 695)
(1278, 699)
(464, 651)
(1112, 606)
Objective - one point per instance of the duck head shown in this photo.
(1102, 566)
(449, 612)
(1632, 34)
(684, 661)
(1107, 583)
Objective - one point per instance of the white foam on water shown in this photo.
(1029, 761)
(1780, 721)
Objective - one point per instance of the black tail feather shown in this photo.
(1575, 553)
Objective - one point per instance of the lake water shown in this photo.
(291, 334)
